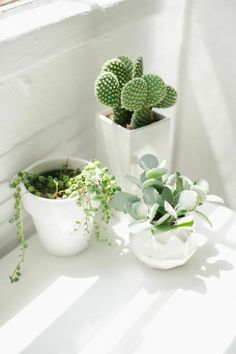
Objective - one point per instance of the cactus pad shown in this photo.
(107, 89)
(134, 94)
(156, 89)
(141, 118)
(121, 116)
(128, 64)
(138, 67)
(118, 68)
(169, 99)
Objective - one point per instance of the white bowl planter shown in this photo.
(165, 250)
(55, 220)
(120, 148)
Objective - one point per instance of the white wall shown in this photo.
(205, 142)
(47, 101)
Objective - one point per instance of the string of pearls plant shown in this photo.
(93, 183)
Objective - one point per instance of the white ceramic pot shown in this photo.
(165, 250)
(55, 220)
(120, 148)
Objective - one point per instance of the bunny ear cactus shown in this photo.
(132, 95)
(166, 202)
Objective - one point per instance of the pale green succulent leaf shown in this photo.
(150, 196)
(148, 161)
(156, 172)
(139, 211)
(121, 199)
(204, 217)
(201, 193)
(169, 209)
(214, 199)
(167, 194)
(188, 200)
(153, 211)
(203, 184)
(135, 181)
(160, 228)
(163, 219)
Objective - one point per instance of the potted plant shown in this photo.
(63, 196)
(131, 126)
(162, 234)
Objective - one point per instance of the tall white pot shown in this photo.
(55, 220)
(164, 250)
(120, 148)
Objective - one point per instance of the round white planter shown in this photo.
(55, 220)
(165, 250)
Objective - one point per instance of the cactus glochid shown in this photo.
(132, 95)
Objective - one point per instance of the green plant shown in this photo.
(132, 95)
(167, 202)
(91, 184)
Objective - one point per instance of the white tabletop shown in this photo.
(106, 301)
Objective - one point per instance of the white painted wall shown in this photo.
(205, 142)
(47, 75)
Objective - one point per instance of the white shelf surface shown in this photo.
(105, 301)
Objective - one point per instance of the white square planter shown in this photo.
(119, 148)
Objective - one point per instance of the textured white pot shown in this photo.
(120, 148)
(55, 220)
(165, 250)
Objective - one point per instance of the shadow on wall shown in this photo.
(205, 136)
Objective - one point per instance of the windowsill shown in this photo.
(105, 301)
(34, 32)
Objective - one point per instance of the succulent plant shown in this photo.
(167, 202)
(132, 95)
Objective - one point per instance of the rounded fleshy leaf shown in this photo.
(138, 67)
(156, 172)
(118, 68)
(107, 89)
(169, 99)
(121, 199)
(188, 200)
(201, 193)
(156, 89)
(137, 210)
(134, 94)
(150, 196)
(203, 184)
(148, 161)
